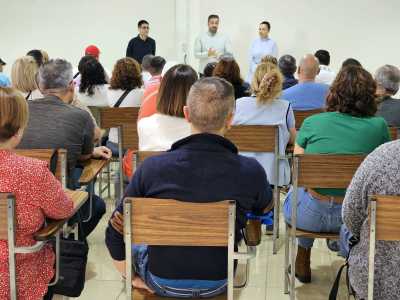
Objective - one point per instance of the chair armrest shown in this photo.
(252, 233)
(92, 168)
(53, 226)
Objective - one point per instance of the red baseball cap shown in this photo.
(92, 50)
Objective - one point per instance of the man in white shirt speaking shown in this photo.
(211, 45)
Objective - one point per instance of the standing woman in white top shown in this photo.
(211, 45)
(159, 131)
(125, 85)
(23, 77)
(93, 88)
(265, 108)
(261, 47)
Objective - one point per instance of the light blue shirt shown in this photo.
(260, 48)
(4, 80)
(307, 95)
(277, 112)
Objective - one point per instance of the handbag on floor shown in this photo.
(335, 288)
(73, 260)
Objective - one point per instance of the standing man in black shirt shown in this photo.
(141, 45)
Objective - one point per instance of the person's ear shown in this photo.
(229, 121)
(186, 113)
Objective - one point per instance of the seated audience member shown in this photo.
(200, 168)
(325, 75)
(349, 127)
(269, 59)
(38, 57)
(287, 65)
(94, 51)
(208, 70)
(55, 124)
(159, 131)
(388, 81)
(228, 68)
(150, 94)
(265, 108)
(38, 195)
(93, 88)
(4, 80)
(77, 75)
(23, 77)
(125, 91)
(145, 68)
(307, 94)
(377, 175)
(351, 62)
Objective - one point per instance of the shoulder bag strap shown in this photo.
(27, 96)
(123, 96)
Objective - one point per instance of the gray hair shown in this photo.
(210, 102)
(55, 75)
(388, 77)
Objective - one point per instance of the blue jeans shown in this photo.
(313, 215)
(113, 147)
(179, 288)
(345, 236)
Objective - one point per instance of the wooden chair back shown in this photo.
(177, 223)
(393, 133)
(301, 115)
(254, 138)
(326, 170)
(4, 200)
(45, 155)
(387, 217)
(125, 117)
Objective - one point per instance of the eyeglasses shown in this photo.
(145, 27)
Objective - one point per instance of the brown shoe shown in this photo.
(303, 269)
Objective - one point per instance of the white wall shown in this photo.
(65, 28)
(365, 29)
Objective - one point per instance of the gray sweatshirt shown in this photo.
(378, 174)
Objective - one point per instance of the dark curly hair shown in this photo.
(126, 75)
(353, 93)
(228, 69)
(92, 74)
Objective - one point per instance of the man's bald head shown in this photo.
(308, 68)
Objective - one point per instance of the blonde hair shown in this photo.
(23, 74)
(14, 113)
(269, 59)
(45, 56)
(267, 82)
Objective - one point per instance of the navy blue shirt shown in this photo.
(200, 168)
(138, 48)
(289, 82)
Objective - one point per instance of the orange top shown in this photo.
(149, 103)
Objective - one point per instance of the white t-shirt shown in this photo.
(133, 99)
(158, 132)
(99, 97)
(326, 75)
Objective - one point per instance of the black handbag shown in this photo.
(73, 260)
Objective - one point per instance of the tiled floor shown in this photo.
(266, 271)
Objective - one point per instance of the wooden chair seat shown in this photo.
(136, 295)
(315, 235)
